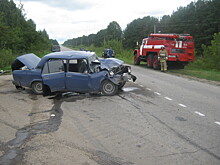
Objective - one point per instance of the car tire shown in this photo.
(108, 88)
(121, 85)
(37, 87)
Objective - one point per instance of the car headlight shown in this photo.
(111, 73)
(129, 70)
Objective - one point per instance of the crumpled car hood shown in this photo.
(110, 63)
(29, 60)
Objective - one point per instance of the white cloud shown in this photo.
(66, 4)
(67, 19)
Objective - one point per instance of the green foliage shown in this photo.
(18, 35)
(199, 73)
(54, 42)
(201, 19)
(6, 57)
(137, 30)
(211, 55)
(112, 32)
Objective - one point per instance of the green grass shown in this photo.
(39, 54)
(203, 74)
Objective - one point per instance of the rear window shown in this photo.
(178, 51)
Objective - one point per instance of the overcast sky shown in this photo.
(67, 19)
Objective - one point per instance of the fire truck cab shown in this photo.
(180, 48)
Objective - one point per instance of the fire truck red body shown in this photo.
(180, 49)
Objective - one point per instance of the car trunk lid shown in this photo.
(29, 60)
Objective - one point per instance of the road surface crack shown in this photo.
(13, 151)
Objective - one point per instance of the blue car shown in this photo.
(75, 71)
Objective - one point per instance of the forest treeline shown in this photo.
(201, 19)
(19, 35)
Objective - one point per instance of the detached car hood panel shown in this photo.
(110, 63)
(29, 60)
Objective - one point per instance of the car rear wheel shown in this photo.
(108, 88)
(37, 87)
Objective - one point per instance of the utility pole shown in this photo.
(154, 29)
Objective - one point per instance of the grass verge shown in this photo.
(39, 54)
(198, 73)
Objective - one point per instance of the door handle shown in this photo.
(46, 78)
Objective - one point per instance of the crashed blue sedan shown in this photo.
(75, 71)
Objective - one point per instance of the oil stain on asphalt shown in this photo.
(12, 149)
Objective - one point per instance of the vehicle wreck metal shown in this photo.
(75, 71)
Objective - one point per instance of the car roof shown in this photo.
(66, 55)
(69, 54)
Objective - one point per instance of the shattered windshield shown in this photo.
(93, 62)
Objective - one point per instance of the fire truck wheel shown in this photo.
(136, 60)
(156, 64)
(150, 61)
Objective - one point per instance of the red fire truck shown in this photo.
(180, 48)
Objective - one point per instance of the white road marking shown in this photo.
(182, 105)
(157, 93)
(217, 122)
(148, 89)
(168, 98)
(141, 86)
(200, 114)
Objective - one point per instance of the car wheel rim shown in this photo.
(38, 87)
(109, 88)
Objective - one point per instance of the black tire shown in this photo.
(150, 61)
(136, 60)
(37, 87)
(121, 85)
(181, 66)
(108, 88)
(156, 63)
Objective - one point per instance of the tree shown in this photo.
(17, 34)
(211, 54)
(113, 31)
(138, 29)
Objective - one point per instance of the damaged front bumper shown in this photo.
(128, 77)
(125, 77)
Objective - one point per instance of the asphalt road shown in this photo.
(160, 119)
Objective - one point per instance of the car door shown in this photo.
(53, 75)
(78, 78)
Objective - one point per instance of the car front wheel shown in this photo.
(37, 87)
(121, 85)
(108, 88)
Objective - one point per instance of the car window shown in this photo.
(78, 65)
(53, 66)
(45, 69)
